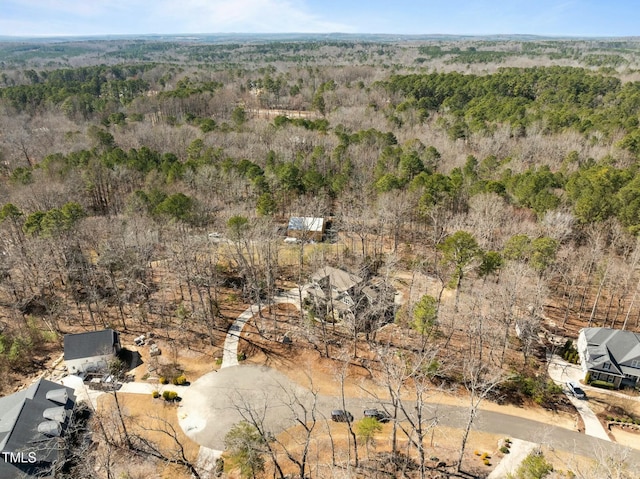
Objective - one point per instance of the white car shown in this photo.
(576, 390)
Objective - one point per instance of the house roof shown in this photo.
(22, 415)
(339, 279)
(306, 223)
(86, 345)
(615, 346)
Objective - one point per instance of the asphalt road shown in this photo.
(218, 400)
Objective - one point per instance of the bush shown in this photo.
(242, 356)
(155, 394)
(534, 465)
(180, 380)
(504, 450)
(163, 380)
(170, 395)
(602, 384)
(487, 462)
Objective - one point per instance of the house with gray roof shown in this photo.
(338, 293)
(33, 423)
(91, 351)
(610, 355)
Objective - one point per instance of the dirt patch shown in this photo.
(332, 449)
(626, 435)
(306, 365)
(156, 421)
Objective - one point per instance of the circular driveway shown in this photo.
(215, 402)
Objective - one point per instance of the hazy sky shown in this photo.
(541, 17)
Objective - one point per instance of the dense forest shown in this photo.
(503, 172)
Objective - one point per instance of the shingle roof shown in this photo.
(339, 279)
(614, 346)
(21, 414)
(86, 345)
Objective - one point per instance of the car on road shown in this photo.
(381, 416)
(340, 415)
(576, 390)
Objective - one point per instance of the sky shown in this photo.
(410, 17)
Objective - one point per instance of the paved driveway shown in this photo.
(561, 372)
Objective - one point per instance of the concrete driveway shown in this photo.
(561, 371)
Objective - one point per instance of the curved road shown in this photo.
(214, 403)
(218, 400)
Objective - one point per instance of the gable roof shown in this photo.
(306, 223)
(615, 346)
(30, 420)
(86, 345)
(338, 279)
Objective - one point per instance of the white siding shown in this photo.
(75, 366)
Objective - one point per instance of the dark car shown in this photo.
(340, 415)
(381, 416)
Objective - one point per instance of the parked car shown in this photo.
(576, 390)
(340, 415)
(381, 416)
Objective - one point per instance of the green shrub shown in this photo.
(242, 356)
(487, 462)
(180, 380)
(163, 380)
(602, 384)
(504, 450)
(170, 395)
(533, 466)
(155, 394)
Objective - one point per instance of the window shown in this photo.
(607, 366)
(635, 363)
